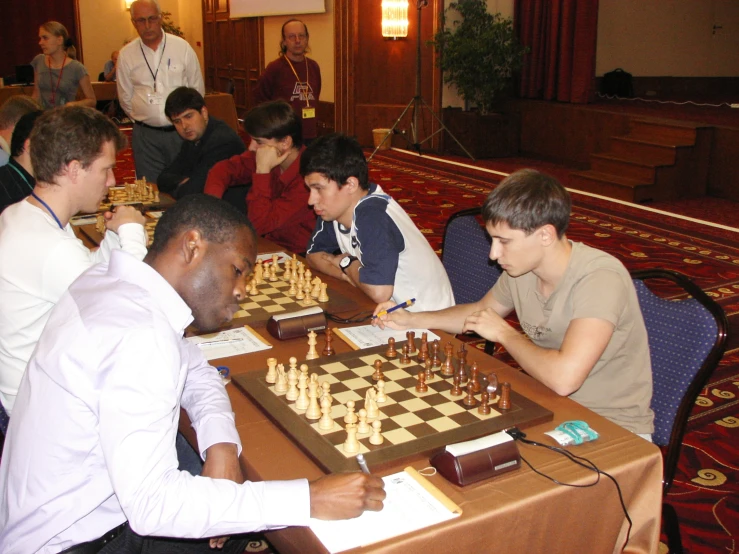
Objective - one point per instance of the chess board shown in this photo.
(412, 422)
(93, 232)
(273, 299)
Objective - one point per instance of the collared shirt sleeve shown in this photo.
(138, 407)
(206, 402)
(124, 84)
(193, 73)
(237, 170)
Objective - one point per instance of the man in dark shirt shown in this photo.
(16, 177)
(207, 141)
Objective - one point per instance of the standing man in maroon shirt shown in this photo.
(277, 202)
(293, 77)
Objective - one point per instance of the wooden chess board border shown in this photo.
(524, 413)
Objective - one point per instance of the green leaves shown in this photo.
(478, 52)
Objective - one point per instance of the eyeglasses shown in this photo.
(293, 38)
(144, 20)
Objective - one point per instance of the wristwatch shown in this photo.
(346, 262)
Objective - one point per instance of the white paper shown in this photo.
(83, 220)
(407, 507)
(475, 445)
(242, 341)
(281, 257)
(368, 336)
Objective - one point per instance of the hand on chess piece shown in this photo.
(398, 319)
(122, 215)
(345, 495)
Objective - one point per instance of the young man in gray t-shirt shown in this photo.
(584, 333)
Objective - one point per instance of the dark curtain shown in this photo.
(561, 36)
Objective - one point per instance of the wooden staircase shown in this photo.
(657, 160)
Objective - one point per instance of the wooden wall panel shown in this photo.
(376, 78)
(19, 23)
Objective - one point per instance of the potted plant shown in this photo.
(478, 54)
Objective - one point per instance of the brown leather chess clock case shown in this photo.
(476, 466)
(297, 324)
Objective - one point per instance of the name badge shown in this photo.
(154, 98)
(309, 113)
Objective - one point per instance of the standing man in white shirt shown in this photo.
(91, 454)
(149, 68)
(73, 152)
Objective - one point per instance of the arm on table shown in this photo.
(377, 293)
(237, 170)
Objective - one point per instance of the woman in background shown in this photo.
(58, 74)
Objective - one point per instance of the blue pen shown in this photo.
(169, 61)
(406, 304)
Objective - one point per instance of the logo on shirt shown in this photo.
(535, 332)
(302, 92)
(355, 242)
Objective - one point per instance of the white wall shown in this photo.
(669, 37)
(321, 29)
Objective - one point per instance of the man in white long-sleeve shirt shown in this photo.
(92, 443)
(73, 153)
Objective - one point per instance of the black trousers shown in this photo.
(129, 542)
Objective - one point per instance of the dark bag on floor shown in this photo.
(617, 83)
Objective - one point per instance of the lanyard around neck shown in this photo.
(18, 171)
(45, 205)
(59, 80)
(153, 74)
(307, 80)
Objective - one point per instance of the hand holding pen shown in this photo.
(403, 305)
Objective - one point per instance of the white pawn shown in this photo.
(325, 422)
(308, 275)
(326, 386)
(291, 291)
(281, 381)
(299, 294)
(259, 273)
(350, 416)
(275, 257)
(363, 427)
(293, 362)
(351, 444)
(292, 386)
(323, 297)
(312, 352)
(376, 438)
(253, 291)
(273, 273)
(271, 370)
(381, 396)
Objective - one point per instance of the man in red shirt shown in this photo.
(277, 202)
(293, 77)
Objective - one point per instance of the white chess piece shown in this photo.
(381, 396)
(312, 352)
(350, 416)
(376, 437)
(271, 370)
(351, 444)
(325, 423)
(362, 426)
(281, 381)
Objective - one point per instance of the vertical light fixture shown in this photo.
(128, 4)
(394, 18)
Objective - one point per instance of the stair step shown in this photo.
(658, 152)
(613, 186)
(636, 167)
(664, 132)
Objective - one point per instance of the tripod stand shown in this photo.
(417, 103)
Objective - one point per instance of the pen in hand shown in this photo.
(362, 464)
(406, 304)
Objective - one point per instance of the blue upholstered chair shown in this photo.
(687, 338)
(465, 254)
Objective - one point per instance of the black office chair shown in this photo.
(687, 338)
(465, 254)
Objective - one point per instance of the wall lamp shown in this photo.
(394, 19)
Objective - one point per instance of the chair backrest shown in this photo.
(465, 254)
(687, 338)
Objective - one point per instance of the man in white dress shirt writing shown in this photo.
(90, 451)
(149, 68)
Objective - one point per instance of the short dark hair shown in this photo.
(14, 108)
(337, 157)
(274, 120)
(216, 219)
(22, 131)
(283, 48)
(182, 99)
(528, 199)
(70, 133)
